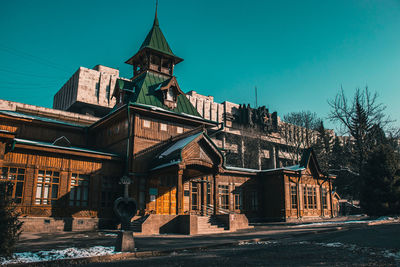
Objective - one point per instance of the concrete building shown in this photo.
(88, 91)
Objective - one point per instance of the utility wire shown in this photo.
(26, 74)
(32, 57)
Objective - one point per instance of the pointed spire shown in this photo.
(155, 18)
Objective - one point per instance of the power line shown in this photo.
(26, 74)
(32, 57)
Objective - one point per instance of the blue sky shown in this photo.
(297, 53)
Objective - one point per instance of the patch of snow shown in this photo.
(110, 234)
(331, 245)
(245, 243)
(54, 254)
(179, 145)
(380, 219)
(391, 254)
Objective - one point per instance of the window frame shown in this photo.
(72, 192)
(15, 181)
(293, 196)
(43, 200)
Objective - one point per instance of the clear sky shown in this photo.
(297, 53)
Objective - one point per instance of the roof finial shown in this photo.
(155, 18)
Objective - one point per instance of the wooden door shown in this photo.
(166, 201)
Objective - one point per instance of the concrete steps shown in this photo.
(209, 225)
(136, 224)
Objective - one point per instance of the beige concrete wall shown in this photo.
(92, 86)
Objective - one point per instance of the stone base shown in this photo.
(125, 242)
(51, 224)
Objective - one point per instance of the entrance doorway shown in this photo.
(200, 196)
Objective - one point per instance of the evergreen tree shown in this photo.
(362, 119)
(381, 184)
(9, 224)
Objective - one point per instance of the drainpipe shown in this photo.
(219, 130)
(126, 174)
(298, 196)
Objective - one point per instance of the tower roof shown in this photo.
(155, 40)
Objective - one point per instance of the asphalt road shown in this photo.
(377, 245)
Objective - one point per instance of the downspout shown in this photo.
(298, 195)
(126, 188)
(330, 194)
(219, 130)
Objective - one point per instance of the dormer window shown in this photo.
(170, 91)
(170, 95)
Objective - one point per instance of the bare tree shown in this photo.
(359, 117)
(363, 120)
(297, 132)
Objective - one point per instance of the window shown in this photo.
(195, 205)
(47, 187)
(238, 198)
(179, 130)
(163, 127)
(305, 197)
(310, 197)
(170, 95)
(109, 191)
(324, 197)
(253, 200)
(223, 196)
(293, 196)
(79, 195)
(314, 197)
(146, 123)
(17, 177)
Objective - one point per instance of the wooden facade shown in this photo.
(157, 138)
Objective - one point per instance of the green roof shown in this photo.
(144, 91)
(155, 40)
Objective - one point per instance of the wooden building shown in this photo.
(66, 174)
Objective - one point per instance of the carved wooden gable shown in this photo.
(202, 151)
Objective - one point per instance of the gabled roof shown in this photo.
(143, 90)
(172, 155)
(309, 155)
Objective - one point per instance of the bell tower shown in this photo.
(154, 54)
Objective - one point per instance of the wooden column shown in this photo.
(204, 196)
(330, 194)
(321, 196)
(215, 193)
(179, 192)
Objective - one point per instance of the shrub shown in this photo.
(9, 224)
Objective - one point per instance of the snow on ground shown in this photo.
(244, 243)
(380, 219)
(56, 254)
(395, 254)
